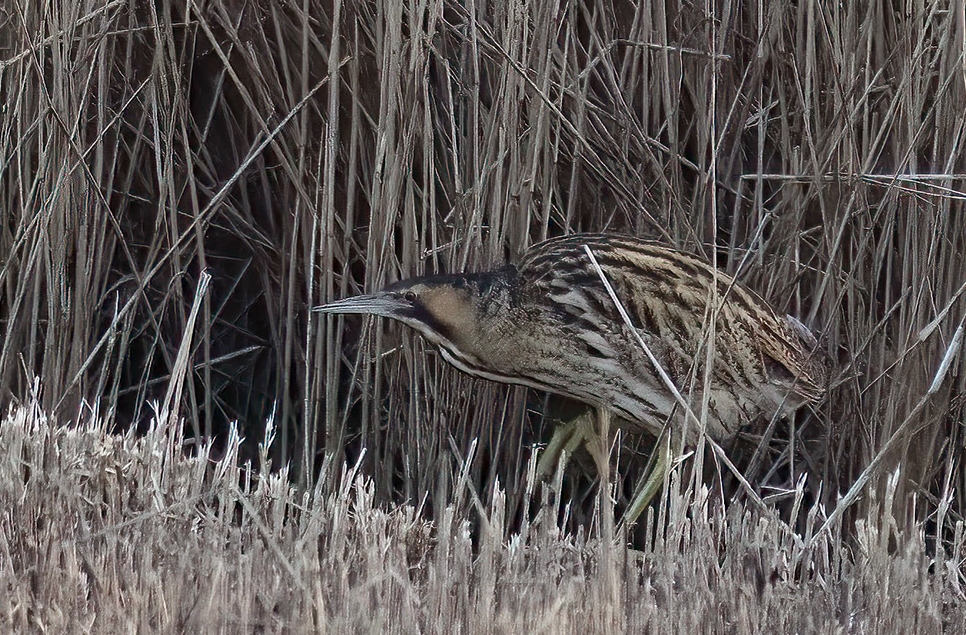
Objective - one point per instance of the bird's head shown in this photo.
(451, 311)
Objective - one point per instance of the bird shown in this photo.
(549, 323)
(553, 322)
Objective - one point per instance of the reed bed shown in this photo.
(106, 533)
(180, 182)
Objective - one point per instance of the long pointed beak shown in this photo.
(384, 304)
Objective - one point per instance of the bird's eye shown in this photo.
(410, 296)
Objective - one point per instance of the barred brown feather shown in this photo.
(549, 323)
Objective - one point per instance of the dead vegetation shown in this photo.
(115, 533)
(302, 152)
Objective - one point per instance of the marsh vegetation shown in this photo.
(179, 182)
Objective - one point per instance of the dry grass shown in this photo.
(299, 152)
(111, 534)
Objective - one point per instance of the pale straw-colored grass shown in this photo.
(114, 534)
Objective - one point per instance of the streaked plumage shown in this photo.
(548, 322)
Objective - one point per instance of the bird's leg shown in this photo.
(570, 436)
(651, 481)
(565, 440)
(580, 430)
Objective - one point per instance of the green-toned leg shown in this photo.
(650, 482)
(584, 430)
(566, 438)
(593, 430)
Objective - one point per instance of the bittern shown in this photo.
(551, 323)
